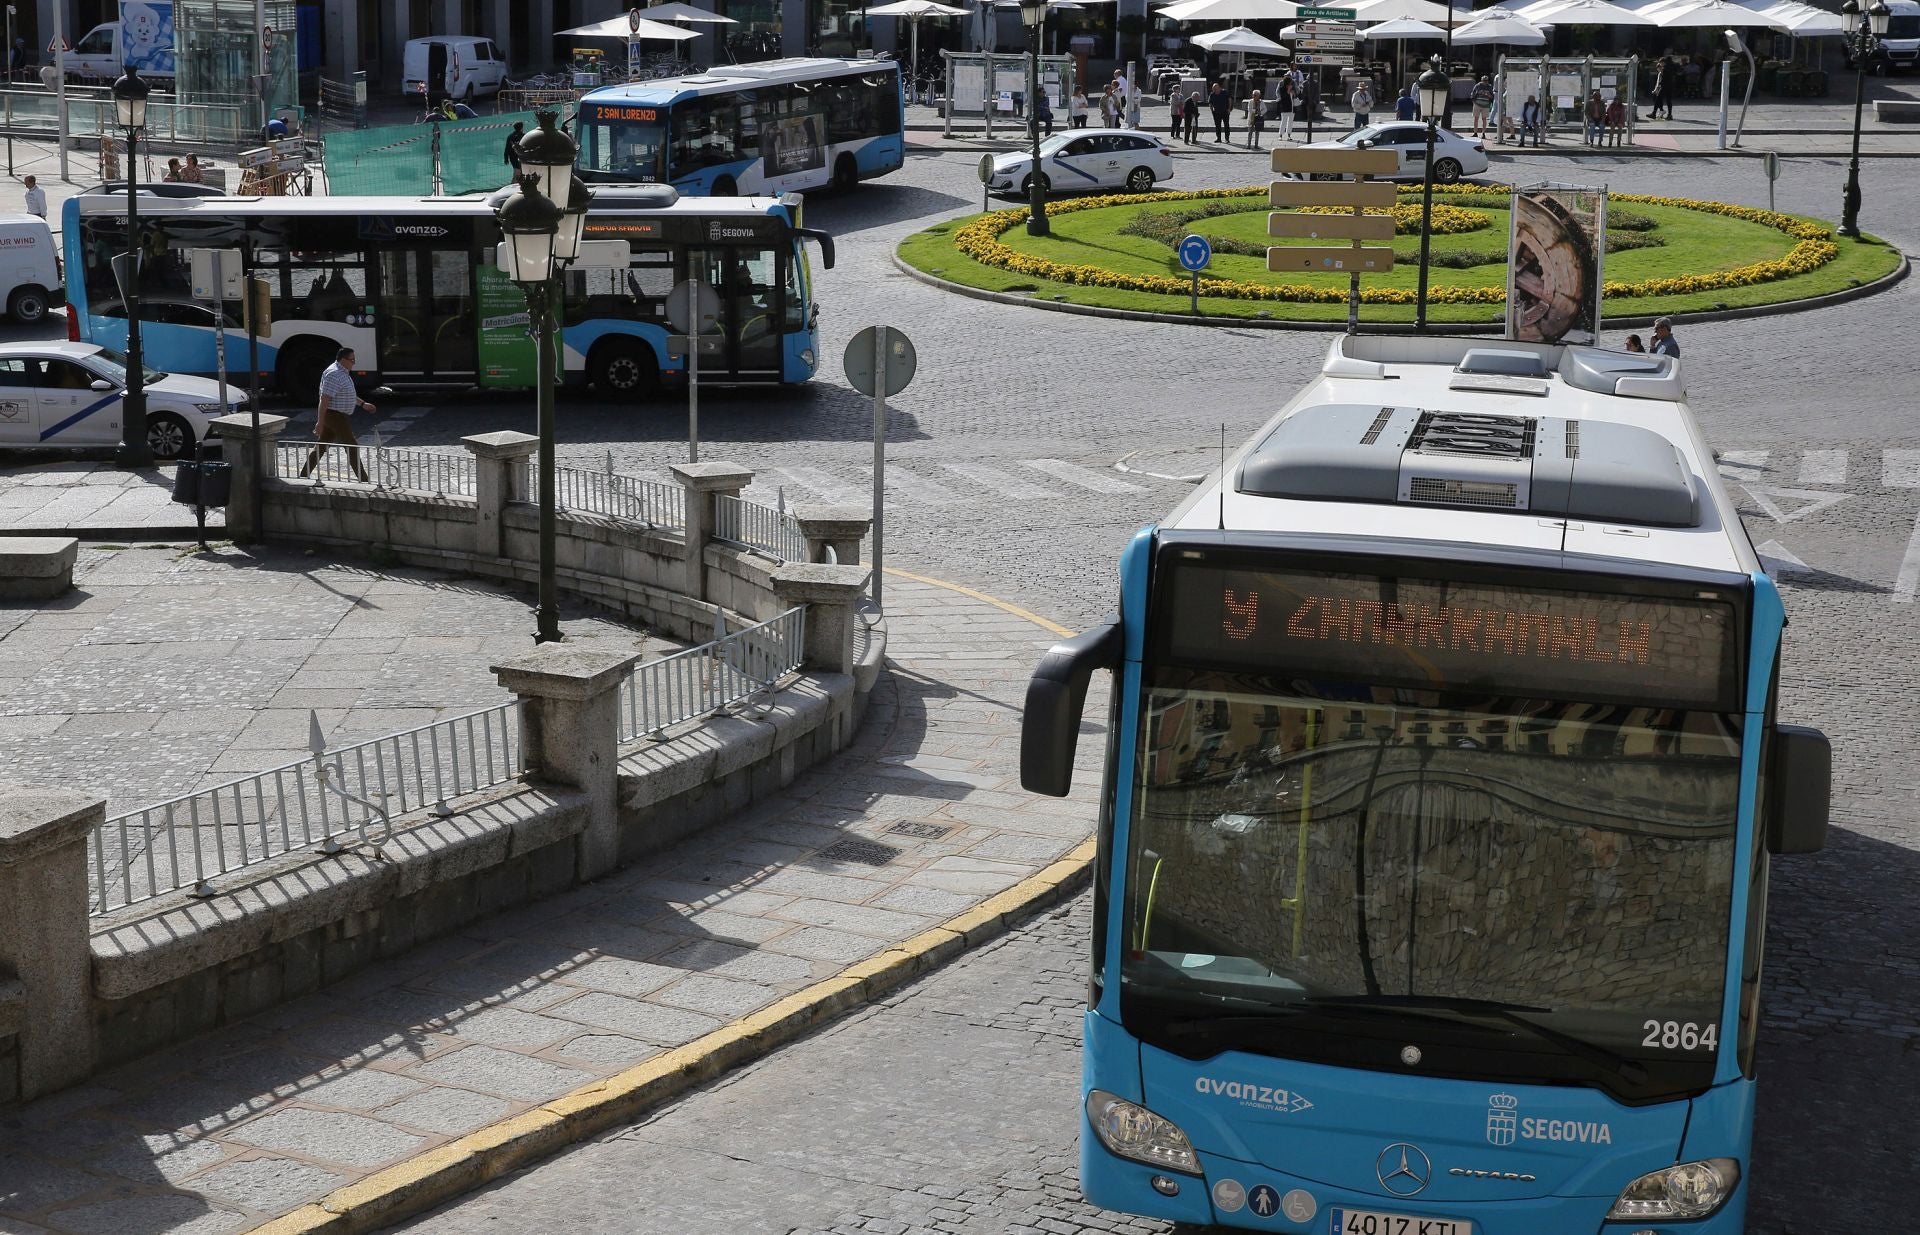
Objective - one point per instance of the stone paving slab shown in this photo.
(260, 1117)
(88, 494)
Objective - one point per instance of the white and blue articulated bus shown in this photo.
(413, 286)
(781, 126)
(1443, 783)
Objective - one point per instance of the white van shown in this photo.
(458, 66)
(29, 275)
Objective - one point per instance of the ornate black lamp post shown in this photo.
(130, 107)
(541, 238)
(1862, 37)
(1033, 14)
(1434, 88)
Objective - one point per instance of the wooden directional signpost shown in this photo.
(1357, 193)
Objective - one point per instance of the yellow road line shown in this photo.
(995, 601)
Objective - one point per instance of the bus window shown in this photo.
(796, 315)
(628, 150)
(704, 134)
(638, 293)
(325, 286)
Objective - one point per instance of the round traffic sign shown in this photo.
(898, 357)
(986, 169)
(633, 20)
(1195, 253)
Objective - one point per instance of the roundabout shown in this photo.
(1665, 255)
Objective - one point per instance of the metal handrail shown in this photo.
(707, 680)
(399, 469)
(763, 529)
(648, 502)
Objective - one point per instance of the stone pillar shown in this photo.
(44, 929)
(701, 482)
(838, 527)
(570, 731)
(247, 452)
(501, 475)
(831, 594)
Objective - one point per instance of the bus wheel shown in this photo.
(168, 436)
(725, 187)
(624, 369)
(846, 173)
(28, 305)
(300, 367)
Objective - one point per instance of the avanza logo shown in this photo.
(1260, 1097)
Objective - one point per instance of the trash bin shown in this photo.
(205, 480)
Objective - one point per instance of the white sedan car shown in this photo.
(72, 394)
(1454, 156)
(1087, 159)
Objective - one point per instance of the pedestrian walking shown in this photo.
(1283, 107)
(36, 198)
(1361, 100)
(339, 399)
(1531, 122)
(1664, 344)
(1077, 109)
(1221, 105)
(1616, 121)
(1482, 104)
(1406, 107)
(1596, 118)
(1190, 118)
(1663, 83)
(512, 153)
(1256, 119)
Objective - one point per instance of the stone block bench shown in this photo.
(36, 567)
(1897, 111)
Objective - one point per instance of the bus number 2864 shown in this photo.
(1681, 1036)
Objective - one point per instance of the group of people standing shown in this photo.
(1119, 105)
(1294, 94)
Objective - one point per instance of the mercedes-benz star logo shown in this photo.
(1403, 1169)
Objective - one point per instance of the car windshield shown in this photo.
(1292, 852)
(114, 365)
(1054, 144)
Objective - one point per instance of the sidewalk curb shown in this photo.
(420, 1183)
(1807, 304)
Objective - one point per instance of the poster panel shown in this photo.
(505, 354)
(793, 144)
(1554, 265)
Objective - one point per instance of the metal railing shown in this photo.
(620, 497)
(387, 467)
(764, 529)
(707, 680)
(191, 840)
(90, 113)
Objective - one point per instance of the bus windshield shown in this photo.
(632, 150)
(1321, 866)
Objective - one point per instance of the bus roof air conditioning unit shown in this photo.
(1540, 465)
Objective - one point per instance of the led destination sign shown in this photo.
(1457, 636)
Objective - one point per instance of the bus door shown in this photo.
(752, 297)
(425, 302)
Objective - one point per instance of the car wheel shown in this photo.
(300, 367)
(846, 173)
(168, 436)
(725, 187)
(1026, 186)
(1140, 180)
(623, 369)
(28, 305)
(1446, 171)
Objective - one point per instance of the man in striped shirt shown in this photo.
(339, 399)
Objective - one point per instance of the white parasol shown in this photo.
(1239, 39)
(1508, 28)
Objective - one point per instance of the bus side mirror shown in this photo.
(1050, 725)
(1800, 785)
(823, 240)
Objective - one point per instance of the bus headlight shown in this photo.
(1132, 1131)
(1688, 1190)
(806, 357)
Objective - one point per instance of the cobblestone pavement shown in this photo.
(167, 670)
(67, 493)
(918, 821)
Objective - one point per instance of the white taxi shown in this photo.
(1087, 159)
(63, 395)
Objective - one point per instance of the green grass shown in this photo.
(1695, 243)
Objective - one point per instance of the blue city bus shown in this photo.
(412, 285)
(781, 126)
(1442, 783)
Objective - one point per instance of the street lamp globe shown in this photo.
(130, 100)
(549, 154)
(1434, 87)
(1880, 17)
(530, 222)
(1850, 17)
(1032, 13)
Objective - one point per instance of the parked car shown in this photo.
(56, 394)
(1454, 156)
(1088, 159)
(29, 271)
(457, 66)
